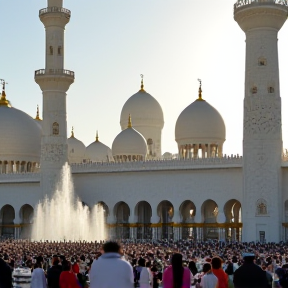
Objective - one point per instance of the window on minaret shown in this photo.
(262, 61)
(55, 128)
(150, 146)
(254, 90)
(51, 50)
(270, 89)
(59, 50)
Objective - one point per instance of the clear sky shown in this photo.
(109, 43)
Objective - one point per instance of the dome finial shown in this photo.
(142, 83)
(3, 100)
(72, 132)
(97, 136)
(129, 122)
(200, 91)
(37, 114)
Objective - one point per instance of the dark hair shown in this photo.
(37, 265)
(192, 267)
(148, 264)
(111, 246)
(216, 262)
(206, 267)
(55, 262)
(178, 270)
(66, 265)
(141, 262)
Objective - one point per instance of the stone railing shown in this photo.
(20, 178)
(44, 72)
(158, 165)
(55, 10)
(241, 3)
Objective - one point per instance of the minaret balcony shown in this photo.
(47, 10)
(54, 72)
(241, 3)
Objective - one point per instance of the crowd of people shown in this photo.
(146, 264)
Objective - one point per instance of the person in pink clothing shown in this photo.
(176, 276)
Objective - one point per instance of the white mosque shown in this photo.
(200, 193)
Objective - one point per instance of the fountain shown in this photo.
(64, 217)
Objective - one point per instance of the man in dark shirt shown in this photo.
(53, 273)
(249, 275)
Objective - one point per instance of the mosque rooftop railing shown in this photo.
(241, 3)
(27, 177)
(158, 165)
(55, 10)
(61, 72)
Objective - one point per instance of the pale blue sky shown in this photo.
(109, 43)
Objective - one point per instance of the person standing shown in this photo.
(143, 274)
(53, 273)
(67, 277)
(5, 275)
(208, 280)
(176, 276)
(249, 275)
(110, 270)
(38, 279)
(219, 272)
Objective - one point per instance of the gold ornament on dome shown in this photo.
(200, 91)
(142, 83)
(3, 100)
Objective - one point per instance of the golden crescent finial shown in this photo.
(142, 83)
(37, 114)
(129, 122)
(200, 91)
(3, 100)
(72, 132)
(97, 136)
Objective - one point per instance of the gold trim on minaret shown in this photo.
(37, 114)
(129, 122)
(200, 91)
(3, 100)
(97, 136)
(72, 132)
(142, 83)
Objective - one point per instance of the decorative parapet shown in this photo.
(55, 10)
(158, 165)
(20, 178)
(285, 158)
(241, 3)
(54, 72)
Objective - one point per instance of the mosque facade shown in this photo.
(199, 193)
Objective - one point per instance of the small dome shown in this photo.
(98, 152)
(21, 135)
(129, 142)
(145, 109)
(76, 149)
(200, 123)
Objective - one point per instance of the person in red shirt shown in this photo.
(219, 272)
(67, 277)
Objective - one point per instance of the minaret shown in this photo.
(54, 82)
(262, 143)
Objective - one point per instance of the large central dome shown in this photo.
(21, 135)
(144, 108)
(200, 126)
